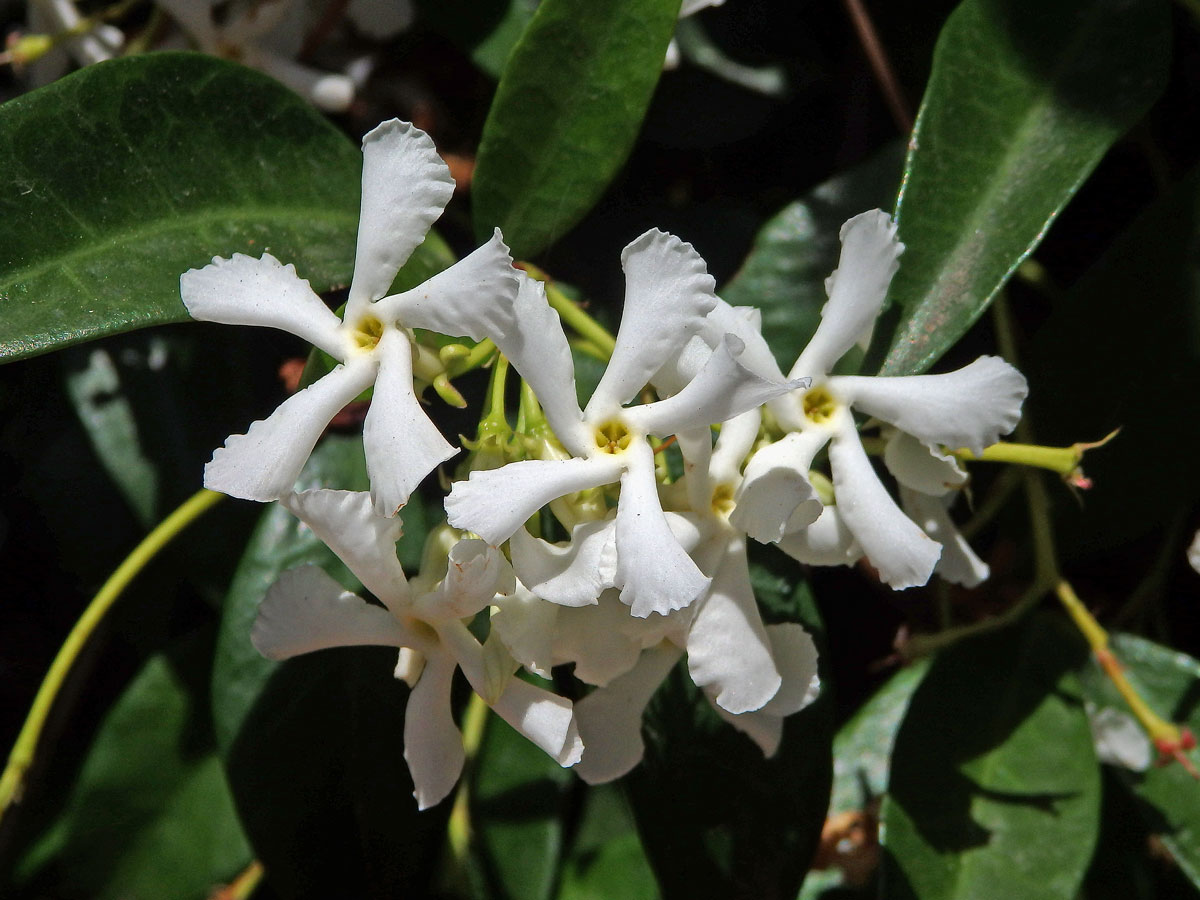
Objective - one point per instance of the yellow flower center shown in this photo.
(722, 500)
(818, 405)
(612, 437)
(367, 332)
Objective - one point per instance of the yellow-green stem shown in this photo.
(459, 828)
(22, 755)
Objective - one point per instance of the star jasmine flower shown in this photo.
(405, 187)
(668, 294)
(968, 408)
(306, 610)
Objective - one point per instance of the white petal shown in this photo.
(432, 743)
(870, 257)
(668, 292)
(920, 467)
(968, 408)
(365, 542)
(775, 497)
(958, 562)
(534, 342)
(594, 638)
(796, 656)
(494, 503)
(405, 187)
(745, 322)
(263, 463)
(248, 291)
(902, 553)
(727, 646)
(306, 610)
(545, 719)
(826, 542)
(654, 572)
(327, 91)
(1119, 739)
(401, 443)
(734, 443)
(723, 389)
(764, 728)
(610, 718)
(571, 574)
(472, 298)
(475, 573)
(527, 624)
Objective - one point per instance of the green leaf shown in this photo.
(995, 789)
(566, 113)
(1170, 682)
(1097, 363)
(314, 746)
(1023, 101)
(122, 176)
(150, 815)
(793, 254)
(716, 818)
(606, 859)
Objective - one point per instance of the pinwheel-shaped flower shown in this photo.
(968, 408)
(306, 610)
(668, 293)
(405, 187)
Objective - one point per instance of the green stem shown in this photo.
(572, 313)
(22, 755)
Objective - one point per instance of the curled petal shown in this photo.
(475, 573)
(405, 187)
(432, 743)
(764, 728)
(402, 445)
(610, 718)
(902, 553)
(796, 655)
(534, 342)
(870, 257)
(263, 463)
(527, 625)
(968, 408)
(474, 297)
(494, 503)
(654, 572)
(728, 651)
(569, 575)
(745, 322)
(306, 610)
(723, 389)
(597, 641)
(958, 562)
(826, 542)
(243, 290)
(920, 467)
(668, 292)
(346, 522)
(775, 497)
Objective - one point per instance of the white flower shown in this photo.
(668, 294)
(968, 408)
(306, 610)
(405, 187)
(57, 17)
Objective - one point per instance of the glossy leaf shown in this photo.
(784, 275)
(606, 858)
(314, 746)
(122, 176)
(994, 788)
(566, 113)
(1170, 682)
(150, 815)
(1023, 101)
(1099, 363)
(716, 818)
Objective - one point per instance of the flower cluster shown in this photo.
(568, 540)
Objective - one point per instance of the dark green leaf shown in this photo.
(716, 818)
(1098, 363)
(793, 254)
(120, 177)
(994, 789)
(1023, 101)
(150, 816)
(606, 859)
(566, 113)
(314, 746)
(1170, 682)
